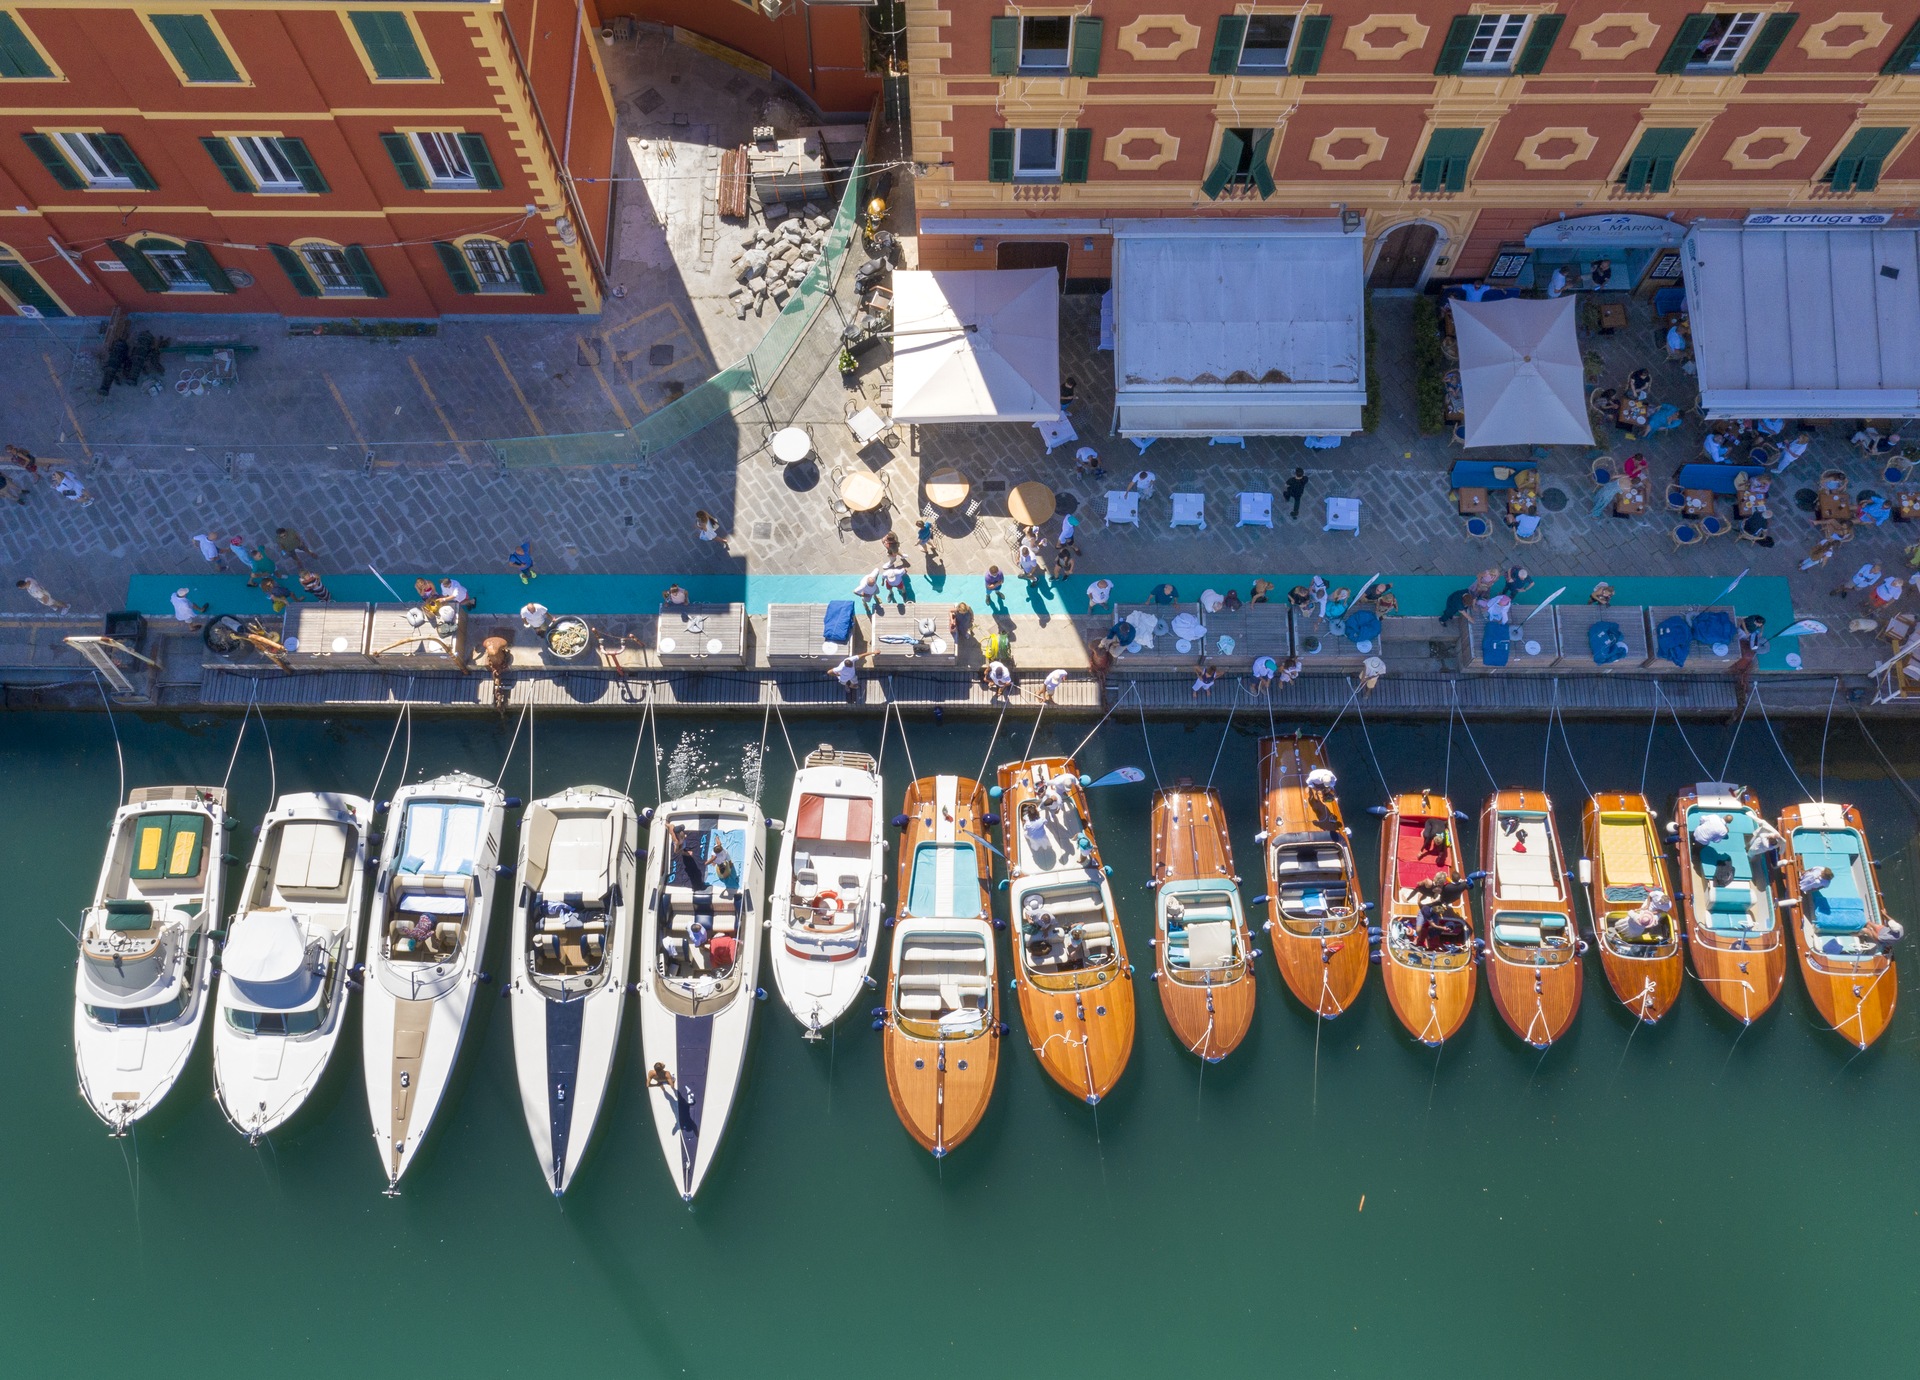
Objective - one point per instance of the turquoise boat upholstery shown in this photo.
(1838, 907)
(1729, 907)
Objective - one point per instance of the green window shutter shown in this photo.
(455, 263)
(485, 176)
(225, 159)
(1766, 43)
(1533, 57)
(121, 156)
(1078, 155)
(1309, 44)
(296, 270)
(295, 152)
(1453, 52)
(524, 268)
(1904, 54)
(1262, 174)
(405, 161)
(389, 42)
(1232, 146)
(1858, 167)
(136, 262)
(1227, 38)
(1655, 157)
(1086, 47)
(362, 267)
(18, 56)
(1685, 39)
(1004, 35)
(999, 155)
(1449, 152)
(1639, 168)
(195, 46)
(200, 258)
(56, 162)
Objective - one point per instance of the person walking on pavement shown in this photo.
(868, 591)
(15, 489)
(1295, 490)
(707, 528)
(208, 544)
(21, 456)
(67, 484)
(292, 545)
(996, 580)
(521, 559)
(261, 565)
(39, 593)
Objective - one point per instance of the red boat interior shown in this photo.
(1416, 858)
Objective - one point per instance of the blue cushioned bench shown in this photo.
(1479, 474)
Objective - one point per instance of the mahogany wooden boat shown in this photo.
(1733, 926)
(1429, 981)
(1533, 946)
(942, 1038)
(1315, 915)
(1069, 955)
(1852, 980)
(1203, 955)
(1624, 865)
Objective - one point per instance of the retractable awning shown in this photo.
(1522, 381)
(1805, 322)
(976, 345)
(1226, 328)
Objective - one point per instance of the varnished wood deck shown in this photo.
(1856, 999)
(1210, 1010)
(1538, 1001)
(1326, 970)
(1743, 976)
(1646, 986)
(1431, 1000)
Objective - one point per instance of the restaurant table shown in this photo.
(1632, 498)
(1906, 506)
(1835, 505)
(1520, 503)
(862, 492)
(1056, 433)
(1747, 504)
(710, 633)
(1697, 502)
(1613, 317)
(791, 445)
(1031, 503)
(948, 489)
(1123, 506)
(1472, 501)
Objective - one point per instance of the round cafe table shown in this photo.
(1031, 503)
(948, 489)
(862, 492)
(791, 446)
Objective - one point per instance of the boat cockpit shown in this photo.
(943, 988)
(431, 893)
(832, 866)
(702, 905)
(1539, 938)
(1310, 879)
(569, 907)
(1064, 929)
(1203, 936)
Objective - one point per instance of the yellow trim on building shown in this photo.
(420, 40)
(21, 262)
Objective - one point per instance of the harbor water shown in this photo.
(1332, 1200)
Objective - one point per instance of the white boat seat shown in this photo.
(803, 869)
(927, 1003)
(1075, 905)
(432, 905)
(313, 856)
(971, 953)
(553, 924)
(578, 856)
(446, 936)
(1097, 929)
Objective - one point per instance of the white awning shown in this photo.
(1238, 328)
(1805, 323)
(1521, 378)
(976, 345)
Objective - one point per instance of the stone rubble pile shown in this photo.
(775, 259)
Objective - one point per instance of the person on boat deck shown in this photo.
(1765, 839)
(1076, 947)
(1083, 849)
(1710, 828)
(688, 853)
(697, 936)
(725, 949)
(1444, 887)
(1433, 837)
(1438, 927)
(659, 1076)
(1035, 824)
(1646, 921)
(1321, 781)
(1817, 879)
(1059, 794)
(1884, 933)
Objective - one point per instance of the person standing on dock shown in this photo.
(1203, 680)
(1050, 686)
(38, 592)
(1265, 668)
(185, 610)
(997, 679)
(848, 674)
(310, 582)
(996, 581)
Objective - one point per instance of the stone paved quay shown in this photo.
(289, 445)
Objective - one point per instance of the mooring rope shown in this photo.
(114, 723)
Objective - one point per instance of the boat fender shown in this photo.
(1373, 933)
(1000, 1028)
(1673, 829)
(1106, 871)
(646, 815)
(989, 819)
(1347, 832)
(1260, 837)
(1258, 952)
(1381, 810)
(355, 985)
(229, 821)
(1153, 883)
(1001, 885)
(759, 994)
(504, 869)
(229, 858)
(256, 831)
(380, 807)
(1261, 899)
(866, 981)
(994, 793)
(878, 1013)
(1013, 984)
(1155, 975)
(1584, 946)
(512, 802)
(1461, 814)
(506, 991)
(939, 715)
(776, 825)
(213, 964)
(486, 977)
(899, 821)
(1129, 974)
(1154, 942)
(887, 920)
(218, 936)
(1086, 781)
(1373, 956)
(378, 836)
(879, 1025)
(999, 924)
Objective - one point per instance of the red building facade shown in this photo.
(308, 159)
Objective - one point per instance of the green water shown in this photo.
(1670, 1205)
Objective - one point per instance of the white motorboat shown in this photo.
(145, 954)
(572, 946)
(282, 998)
(825, 903)
(429, 934)
(699, 969)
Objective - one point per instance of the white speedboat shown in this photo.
(699, 969)
(145, 953)
(572, 946)
(429, 934)
(825, 904)
(282, 998)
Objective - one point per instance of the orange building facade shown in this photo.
(821, 46)
(307, 159)
(1507, 140)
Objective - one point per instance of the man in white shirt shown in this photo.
(210, 549)
(1710, 828)
(1099, 594)
(184, 609)
(1142, 483)
(1055, 679)
(535, 617)
(454, 592)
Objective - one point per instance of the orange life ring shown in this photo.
(821, 899)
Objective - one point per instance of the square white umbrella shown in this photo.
(1521, 378)
(976, 345)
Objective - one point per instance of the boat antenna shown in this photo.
(114, 723)
(511, 743)
(1825, 729)
(253, 685)
(1224, 734)
(1148, 738)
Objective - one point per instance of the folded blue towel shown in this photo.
(1495, 644)
(1711, 627)
(1363, 625)
(837, 626)
(1673, 639)
(1606, 643)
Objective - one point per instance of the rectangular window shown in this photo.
(491, 265)
(20, 57)
(93, 160)
(267, 163)
(196, 48)
(1036, 153)
(1046, 44)
(1242, 163)
(1269, 39)
(175, 267)
(1495, 42)
(444, 160)
(1722, 42)
(332, 273)
(392, 48)
(1655, 159)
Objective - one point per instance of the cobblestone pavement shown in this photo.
(429, 507)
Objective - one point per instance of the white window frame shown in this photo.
(1731, 46)
(94, 168)
(436, 148)
(1497, 42)
(1279, 68)
(170, 262)
(331, 263)
(1052, 172)
(260, 155)
(1049, 69)
(485, 258)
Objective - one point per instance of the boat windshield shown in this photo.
(1202, 932)
(277, 1022)
(943, 986)
(1065, 928)
(163, 1013)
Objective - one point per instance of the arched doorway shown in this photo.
(20, 286)
(1400, 262)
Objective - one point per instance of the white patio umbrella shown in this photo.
(976, 345)
(1521, 378)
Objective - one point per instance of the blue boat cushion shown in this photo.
(837, 624)
(1731, 900)
(1673, 639)
(1712, 627)
(1837, 907)
(1606, 643)
(1363, 625)
(1494, 644)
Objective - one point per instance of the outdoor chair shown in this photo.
(1603, 470)
(1676, 498)
(1686, 534)
(1479, 528)
(1712, 525)
(1526, 531)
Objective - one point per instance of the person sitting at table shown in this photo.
(1770, 426)
(1638, 382)
(1499, 608)
(1606, 401)
(1717, 447)
(1754, 527)
(1634, 466)
(1793, 450)
(1337, 602)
